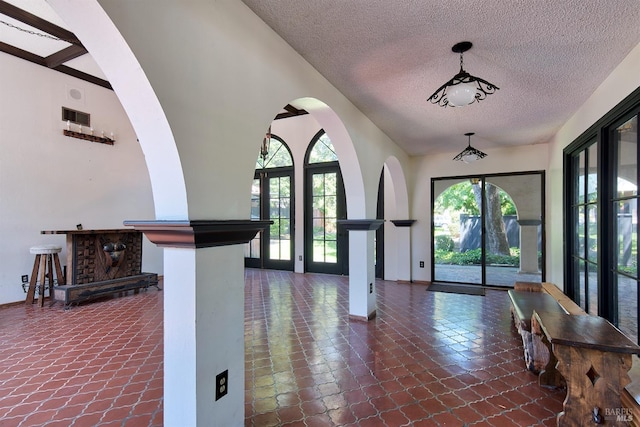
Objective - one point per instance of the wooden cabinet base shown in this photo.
(75, 294)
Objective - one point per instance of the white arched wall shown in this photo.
(218, 85)
(397, 239)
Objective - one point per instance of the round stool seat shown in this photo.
(45, 249)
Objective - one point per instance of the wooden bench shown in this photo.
(543, 297)
(594, 358)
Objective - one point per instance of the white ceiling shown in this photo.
(389, 56)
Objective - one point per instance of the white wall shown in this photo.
(52, 182)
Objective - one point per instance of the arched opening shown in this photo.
(272, 198)
(326, 243)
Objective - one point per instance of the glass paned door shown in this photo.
(488, 229)
(625, 206)
(280, 213)
(457, 231)
(271, 199)
(513, 228)
(326, 241)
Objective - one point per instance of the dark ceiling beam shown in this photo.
(37, 22)
(23, 54)
(83, 76)
(55, 60)
(64, 55)
(291, 111)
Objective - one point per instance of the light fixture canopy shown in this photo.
(463, 89)
(470, 154)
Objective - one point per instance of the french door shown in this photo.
(326, 243)
(488, 230)
(272, 200)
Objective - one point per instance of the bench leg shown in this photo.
(549, 376)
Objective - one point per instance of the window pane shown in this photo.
(318, 206)
(255, 199)
(330, 184)
(274, 187)
(627, 238)
(285, 186)
(581, 233)
(580, 278)
(331, 252)
(318, 229)
(627, 138)
(579, 182)
(592, 181)
(592, 229)
(318, 251)
(330, 207)
(593, 289)
(317, 184)
(277, 156)
(627, 307)
(330, 229)
(323, 151)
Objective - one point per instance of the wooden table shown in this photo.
(102, 262)
(594, 357)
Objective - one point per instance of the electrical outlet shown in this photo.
(222, 386)
(25, 278)
(299, 257)
(421, 264)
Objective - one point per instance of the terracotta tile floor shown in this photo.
(428, 359)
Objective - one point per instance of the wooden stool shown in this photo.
(46, 259)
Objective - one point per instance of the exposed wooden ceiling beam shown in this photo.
(55, 60)
(23, 54)
(64, 55)
(37, 22)
(291, 111)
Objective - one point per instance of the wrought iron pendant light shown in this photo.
(264, 148)
(470, 154)
(463, 89)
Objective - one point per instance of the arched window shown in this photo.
(272, 199)
(326, 244)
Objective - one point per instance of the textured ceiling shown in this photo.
(389, 56)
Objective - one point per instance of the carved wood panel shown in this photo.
(106, 256)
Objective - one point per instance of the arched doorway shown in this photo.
(272, 198)
(326, 244)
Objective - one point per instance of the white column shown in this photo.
(362, 283)
(529, 246)
(203, 335)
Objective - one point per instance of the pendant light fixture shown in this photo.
(463, 89)
(470, 154)
(264, 148)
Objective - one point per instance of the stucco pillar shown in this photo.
(403, 243)
(529, 245)
(362, 280)
(203, 318)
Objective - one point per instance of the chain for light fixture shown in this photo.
(35, 33)
(463, 88)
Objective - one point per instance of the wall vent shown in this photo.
(74, 116)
